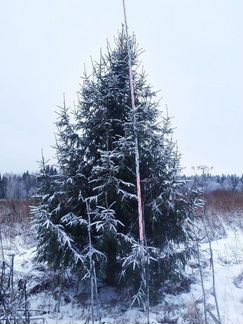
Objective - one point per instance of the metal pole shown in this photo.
(139, 197)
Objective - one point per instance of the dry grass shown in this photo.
(14, 211)
(15, 219)
(220, 202)
(224, 200)
(224, 207)
(193, 314)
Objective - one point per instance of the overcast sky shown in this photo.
(193, 54)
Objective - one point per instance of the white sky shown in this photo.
(193, 54)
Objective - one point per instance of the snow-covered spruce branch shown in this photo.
(127, 195)
(137, 257)
(106, 219)
(66, 243)
(71, 220)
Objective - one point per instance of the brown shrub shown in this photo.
(224, 200)
(224, 207)
(13, 211)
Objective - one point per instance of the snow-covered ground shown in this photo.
(70, 306)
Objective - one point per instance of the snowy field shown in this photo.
(70, 305)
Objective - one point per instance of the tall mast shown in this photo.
(137, 160)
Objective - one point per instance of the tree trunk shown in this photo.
(112, 265)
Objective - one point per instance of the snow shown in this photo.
(183, 308)
(228, 254)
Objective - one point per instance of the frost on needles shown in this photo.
(96, 164)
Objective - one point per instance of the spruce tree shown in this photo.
(95, 152)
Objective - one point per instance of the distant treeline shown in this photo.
(211, 182)
(13, 186)
(19, 186)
